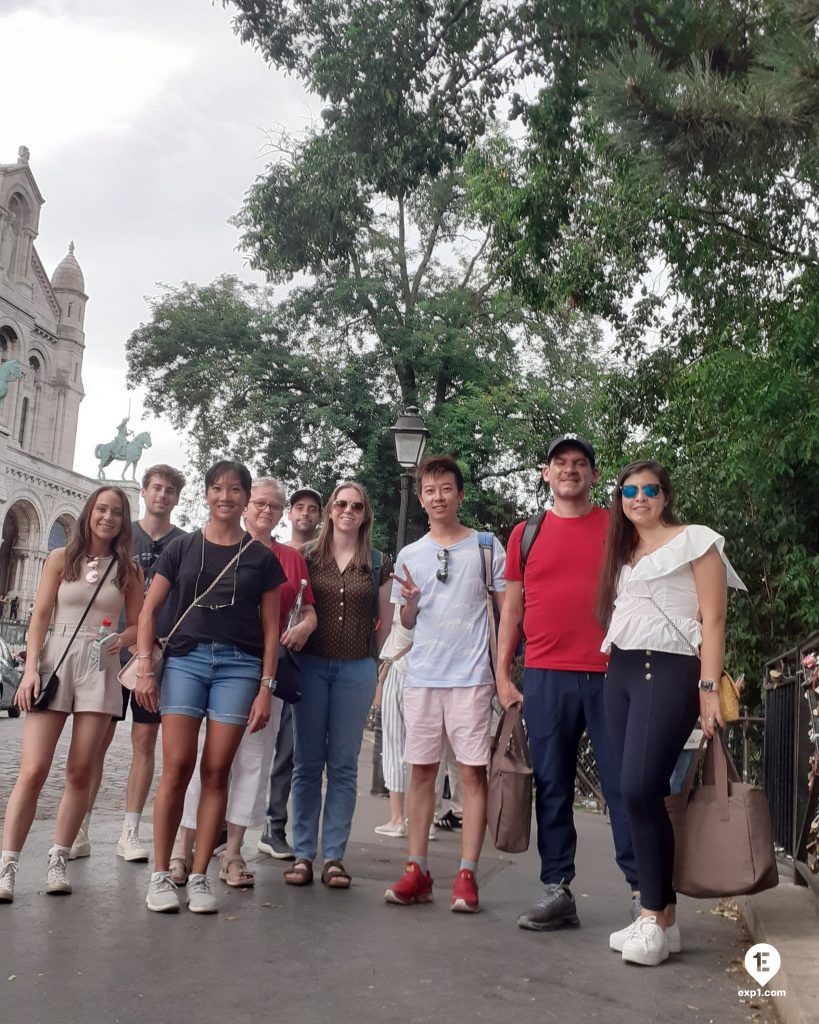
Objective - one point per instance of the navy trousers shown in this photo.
(652, 703)
(558, 706)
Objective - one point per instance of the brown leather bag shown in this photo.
(509, 800)
(723, 841)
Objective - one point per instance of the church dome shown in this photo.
(68, 274)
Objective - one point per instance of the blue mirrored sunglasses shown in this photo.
(649, 490)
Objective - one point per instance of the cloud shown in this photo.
(80, 79)
(146, 123)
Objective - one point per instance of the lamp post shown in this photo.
(410, 435)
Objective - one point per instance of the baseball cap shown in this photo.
(306, 492)
(571, 441)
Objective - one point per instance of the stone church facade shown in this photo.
(41, 327)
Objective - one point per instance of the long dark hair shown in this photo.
(321, 553)
(79, 544)
(622, 537)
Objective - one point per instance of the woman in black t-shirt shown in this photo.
(220, 663)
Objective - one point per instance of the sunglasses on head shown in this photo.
(443, 572)
(355, 506)
(649, 490)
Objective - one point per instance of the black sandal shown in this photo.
(335, 876)
(301, 873)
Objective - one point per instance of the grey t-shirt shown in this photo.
(451, 641)
(146, 553)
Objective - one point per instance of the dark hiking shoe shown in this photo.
(555, 909)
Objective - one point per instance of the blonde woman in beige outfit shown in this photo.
(91, 693)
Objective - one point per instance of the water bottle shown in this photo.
(106, 629)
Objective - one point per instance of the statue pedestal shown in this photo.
(132, 490)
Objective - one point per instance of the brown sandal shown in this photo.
(234, 873)
(335, 876)
(178, 870)
(301, 873)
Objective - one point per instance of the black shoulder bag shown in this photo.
(49, 686)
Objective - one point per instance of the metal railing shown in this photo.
(790, 757)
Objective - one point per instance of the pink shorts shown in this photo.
(462, 713)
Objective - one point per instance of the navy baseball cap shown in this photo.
(571, 441)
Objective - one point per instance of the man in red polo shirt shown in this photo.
(563, 671)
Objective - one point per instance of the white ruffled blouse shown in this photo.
(666, 576)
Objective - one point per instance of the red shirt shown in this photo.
(295, 569)
(562, 576)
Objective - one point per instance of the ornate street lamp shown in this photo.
(410, 435)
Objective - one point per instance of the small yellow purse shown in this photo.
(728, 698)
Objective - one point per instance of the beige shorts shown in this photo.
(462, 713)
(81, 687)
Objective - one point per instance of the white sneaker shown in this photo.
(81, 847)
(162, 895)
(8, 873)
(646, 944)
(618, 939)
(56, 874)
(433, 835)
(200, 899)
(398, 831)
(129, 847)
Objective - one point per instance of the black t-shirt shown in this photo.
(229, 614)
(146, 552)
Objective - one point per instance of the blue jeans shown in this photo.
(328, 724)
(217, 680)
(557, 707)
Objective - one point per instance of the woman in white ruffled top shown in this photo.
(663, 602)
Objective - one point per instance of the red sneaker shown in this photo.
(412, 887)
(465, 893)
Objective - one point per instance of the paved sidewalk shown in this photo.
(301, 956)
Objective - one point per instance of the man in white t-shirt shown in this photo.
(440, 586)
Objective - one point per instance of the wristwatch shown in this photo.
(269, 682)
(707, 684)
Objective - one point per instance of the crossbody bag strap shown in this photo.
(675, 627)
(78, 627)
(204, 593)
(486, 548)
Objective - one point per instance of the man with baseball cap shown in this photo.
(305, 516)
(556, 559)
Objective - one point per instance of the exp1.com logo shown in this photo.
(762, 962)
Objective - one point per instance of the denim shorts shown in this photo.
(217, 680)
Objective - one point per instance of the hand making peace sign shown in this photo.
(409, 590)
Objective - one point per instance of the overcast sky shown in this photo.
(146, 122)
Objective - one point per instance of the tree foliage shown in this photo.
(658, 189)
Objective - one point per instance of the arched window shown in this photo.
(8, 343)
(35, 367)
(23, 418)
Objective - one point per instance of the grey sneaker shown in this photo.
(56, 875)
(200, 899)
(162, 894)
(8, 874)
(555, 909)
(129, 847)
(274, 844)
(81, 847)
